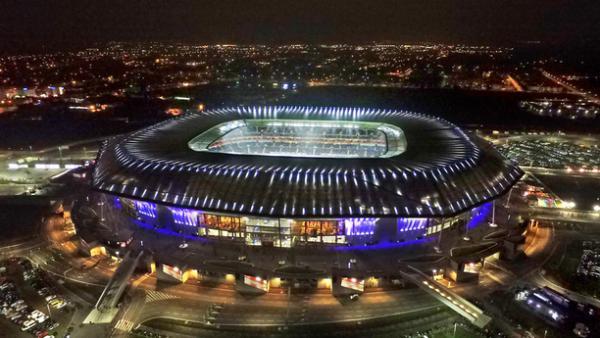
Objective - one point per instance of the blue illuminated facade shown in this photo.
(286, 232)
(184, 216)
(360, 226)
(147, 209)
(412, 224)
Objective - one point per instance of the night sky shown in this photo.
(57, 23)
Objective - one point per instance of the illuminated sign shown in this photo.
(146, 208)
(353, 283)
(256, 282)
(184, 216)
(360, 226)
(411, 224)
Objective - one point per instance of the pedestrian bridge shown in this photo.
(106, 309)
(460, 305)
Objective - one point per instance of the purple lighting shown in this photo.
(167, 231)
(384, 245)
(411, 224)
(146, 208)
(360, 226)
(479, 215)
(117, 203)
(185, 216)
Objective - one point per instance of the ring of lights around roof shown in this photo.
(430, 168)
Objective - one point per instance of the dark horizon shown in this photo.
(40, 25)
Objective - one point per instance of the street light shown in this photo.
(493, 223)
(49, 312)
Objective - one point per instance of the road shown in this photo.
(19, 181)
(271, 308)
(587, 95)
(192, 300)
(252, 313)
(514, 83)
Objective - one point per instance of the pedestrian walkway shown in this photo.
(124, 325)
(154, 296)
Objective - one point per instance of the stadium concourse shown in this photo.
(303, 197)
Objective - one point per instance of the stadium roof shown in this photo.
(435, 170)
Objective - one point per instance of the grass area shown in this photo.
(18, 222)
(565, 263)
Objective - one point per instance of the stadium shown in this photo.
(314, 180)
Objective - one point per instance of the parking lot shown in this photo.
(30, 301)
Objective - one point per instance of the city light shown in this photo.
(290, 184)
(47, 166)
(16, 166)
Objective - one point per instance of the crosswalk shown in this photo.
(124, 325)
(154, 296)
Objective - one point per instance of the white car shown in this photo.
(20, 307)
(41, 319)
(15, 316)
(38, 316)
(6, 285)
(29, 324)
(18, 302)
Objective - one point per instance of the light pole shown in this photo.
(289, 296)
(49, 312)
(454, 334)
(508, 198)
(493, 223)
(60, 155)
(101, 204)
(437, 248)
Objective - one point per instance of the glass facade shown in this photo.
(283, 232)
(221, 226)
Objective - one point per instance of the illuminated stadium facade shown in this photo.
(290, 176)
